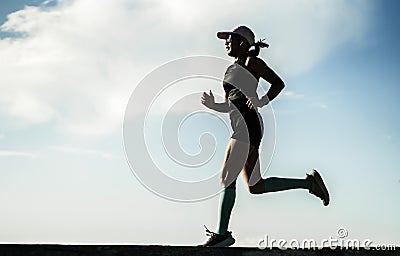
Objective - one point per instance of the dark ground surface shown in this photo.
(125, 250)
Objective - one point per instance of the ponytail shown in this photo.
(257, 46)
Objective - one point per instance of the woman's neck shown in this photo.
(240, 57)
(240, 60)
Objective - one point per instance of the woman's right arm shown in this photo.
(223, 107)
(208, 101)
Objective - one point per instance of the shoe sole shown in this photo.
(225, 243)
(321, 185)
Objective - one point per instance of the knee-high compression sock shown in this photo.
(274, 184)
(227, 200)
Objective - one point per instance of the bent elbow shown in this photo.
(280, 85)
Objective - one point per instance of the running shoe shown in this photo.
(217, 240)
(318, 187)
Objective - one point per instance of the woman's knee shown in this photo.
(258, 188)
(226, 184)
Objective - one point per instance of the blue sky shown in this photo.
(65, 85)
(12, 6)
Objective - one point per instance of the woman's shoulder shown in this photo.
(255, 64)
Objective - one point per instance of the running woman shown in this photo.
(242, 103)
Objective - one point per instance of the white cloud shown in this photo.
(303, 32)
(48, 2)
(319, 105)
(18, 153)
(81, 151)
(78, 61)
(290, 95)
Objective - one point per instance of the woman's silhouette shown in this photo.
(241, 102)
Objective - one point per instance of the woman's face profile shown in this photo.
(232, 45)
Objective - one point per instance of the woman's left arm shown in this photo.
(265, 72)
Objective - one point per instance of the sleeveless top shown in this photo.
(246, 123)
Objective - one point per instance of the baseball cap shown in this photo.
(241, 31)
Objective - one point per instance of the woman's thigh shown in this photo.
(251, 171)
(235, 160)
